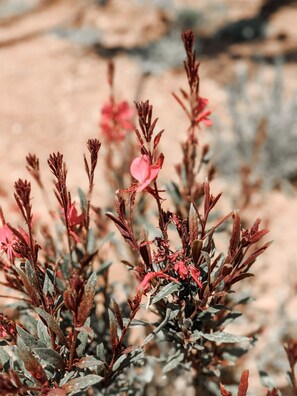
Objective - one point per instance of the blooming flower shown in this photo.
(184, 271)
(74, 220)
(181, 268)
(202, 115)
(195, 273)
(8, 240)
(116, 120)
(144, 285)
(143, 172)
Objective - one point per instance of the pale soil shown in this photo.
(50, 96)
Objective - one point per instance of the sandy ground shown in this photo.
(51, 93)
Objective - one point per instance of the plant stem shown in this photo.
(72, 349)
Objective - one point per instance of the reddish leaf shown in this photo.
(240, 277)
(117, 313)
(250, 260)
(87, 301)
(224, 391)
(244, 383)
(113, 331)
(31, 289)
(196, 250)
(157, 138)
(53, 324)
(235, 236)
(258, 235)
(193, 223)
(206, 197)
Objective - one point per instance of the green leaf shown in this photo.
(195, 336)
(91, 241)
(65, 266)
(136, 323)
(229, 318)
(67, 377)
(83, 337)
(170, 314)
(4, 356)
(127, 359)
(103, 267)
(53, 324)
(30, 362)
(100, 352)
(83, 200)
(119, 362)
(30, 341)
(117, 313)
(86, 329)
(89, 361)
(81, 383)
(224, 337)
(50, 357)
(166, 291)
(173, 362)
(48, 284)
(43, 334)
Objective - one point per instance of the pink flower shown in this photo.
(7, 328)
(72, 217)
(195, 273)
(202, 116)
(181, 268)
(184, 271)
(116, 120)
(144, 285)
(74, 220)
(8, 240)
(143, 172)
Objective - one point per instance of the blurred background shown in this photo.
(53, 68)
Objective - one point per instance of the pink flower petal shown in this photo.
(181, 269)
(153, 173)
(140, 168)
(207, 122)
(195, 273)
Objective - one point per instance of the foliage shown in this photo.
(66, 333)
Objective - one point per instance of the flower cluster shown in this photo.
(201, 114)
(116, 120)
(9, 241)
(74, 220)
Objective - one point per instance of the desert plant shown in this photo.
(53, 340)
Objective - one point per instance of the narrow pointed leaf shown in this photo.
(50, 357)
(166, 291)
(53, 324)
(81, 383)
(87, 302)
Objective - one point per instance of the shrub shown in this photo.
(66, 334)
